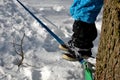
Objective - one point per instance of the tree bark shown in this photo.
(108, 57)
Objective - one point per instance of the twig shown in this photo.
(21, 53)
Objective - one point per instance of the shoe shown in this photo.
(85, 54)
(63, 47)
(70, 57)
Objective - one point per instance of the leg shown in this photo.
(83, 36)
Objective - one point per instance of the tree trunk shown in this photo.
(108, 58)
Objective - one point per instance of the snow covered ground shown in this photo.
(42, 57)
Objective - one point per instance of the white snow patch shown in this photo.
(45, 70)
(58, 8)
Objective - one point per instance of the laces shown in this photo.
(78, 52)
(71, 43)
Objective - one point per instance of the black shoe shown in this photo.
(86, 53)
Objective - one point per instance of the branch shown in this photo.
(20, 53)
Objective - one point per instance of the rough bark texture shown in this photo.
(108, 58)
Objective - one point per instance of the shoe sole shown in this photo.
(62, 48)
(68, 58)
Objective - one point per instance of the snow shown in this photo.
(42, 56)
